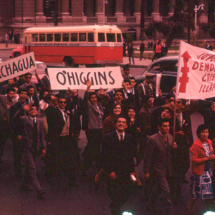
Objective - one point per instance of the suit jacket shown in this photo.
(46, 82)
(3, 106)
(27, 133)
(118, 157)
(186, 127)
(16, 111)
(145, 121)
(158, 157)
(55, 122)
(4, 89)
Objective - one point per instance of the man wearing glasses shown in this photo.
(62, 148)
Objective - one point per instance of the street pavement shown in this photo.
(82, 200)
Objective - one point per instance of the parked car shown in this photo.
(167, 67)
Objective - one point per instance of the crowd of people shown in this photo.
(123, 127)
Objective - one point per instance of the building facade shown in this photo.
(126, 14)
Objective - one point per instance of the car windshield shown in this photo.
(170, 66)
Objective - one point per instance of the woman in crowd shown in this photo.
(133, 125)
(201, 158)
(109, 122)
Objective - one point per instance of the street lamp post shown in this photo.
(104, 3)
(196, 9)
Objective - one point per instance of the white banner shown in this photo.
(75, 78)
(196, 73)
(17, 66)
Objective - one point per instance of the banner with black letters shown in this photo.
(75, 78)
(17, 66)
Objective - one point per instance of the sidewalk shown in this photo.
(137, 62)
(10, 46)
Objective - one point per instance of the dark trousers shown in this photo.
(160, 193)
(92, 151)
(119, 191)
(17, 154)
(141, 55)
(131, 57)
(5, 132)
(60, 157)
(30, 173)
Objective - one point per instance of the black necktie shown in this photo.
(121, 138)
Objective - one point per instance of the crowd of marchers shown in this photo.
(123, 128)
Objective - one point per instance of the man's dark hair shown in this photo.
(162, 120)
(131, 78)
(127, 80)
(33, 105)
(118, 91)
(29, 87)
(23, 90)
(92, 93)
(28, 74)
(122, 116)
(170, 95)
(201, 128)
(10, 89)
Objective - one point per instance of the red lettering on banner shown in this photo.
(184, 70)
(195, 65)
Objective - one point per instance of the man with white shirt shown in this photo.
(118, 151)
(32, 143)
(62, 148)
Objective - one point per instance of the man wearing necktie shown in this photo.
(158, 167)
(118, 151)
(32, 143)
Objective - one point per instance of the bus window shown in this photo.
(119, 38)
(57, 37)
(34, 37)
(25, 39)
(101, 37)
(42, 37)
(111, 37)
(82, 37)
(90, 37)
(49, 37)
(65, 37)
(74, 37)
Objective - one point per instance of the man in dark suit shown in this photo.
(158, 167)
(32, 142)
(32, 98)
(183, 138)
(61, 151)
(209, 46)
(118, 152)
(17, 110)
(5, 104)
